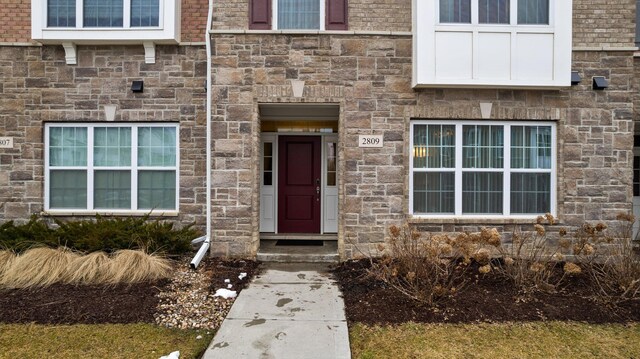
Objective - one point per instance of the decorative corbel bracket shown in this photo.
(70, 53)
(149, 52)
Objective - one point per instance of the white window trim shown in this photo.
(90, 168)
(507, 170)
(167, 31)
(274, 18)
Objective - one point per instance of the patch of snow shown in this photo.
(199, 337)
(173, 355)
(227, 281)
(242, 276)
(225, 293)
(229, 286)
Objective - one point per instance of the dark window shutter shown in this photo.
(260, 14)
(337, 15)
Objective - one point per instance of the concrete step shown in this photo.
(298, 237)
(270, 252)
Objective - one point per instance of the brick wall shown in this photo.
(15, 21)
(36, 86)
(380, 15)
(595, 22)
(604, 23)
(231, 15)
(194, 20)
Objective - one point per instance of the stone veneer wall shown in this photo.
(369, 76)
(36, 86)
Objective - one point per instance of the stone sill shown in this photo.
(110, 213)
(21, 44)
(471, 220)
(310, 32)
(604, 48)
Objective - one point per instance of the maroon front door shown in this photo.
(299, 184)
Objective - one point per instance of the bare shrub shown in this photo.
(38, 267)
(530, 261)
(617, 278)
(93, 268)
(429, 268)
(129, 266)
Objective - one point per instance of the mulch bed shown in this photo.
(69, 304)
(487, 298)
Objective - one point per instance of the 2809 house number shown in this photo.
(370, 141)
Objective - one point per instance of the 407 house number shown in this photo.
(370, 141)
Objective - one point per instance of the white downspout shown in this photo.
(207, 238)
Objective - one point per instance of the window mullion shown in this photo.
(458, 170)
(513, 12)
(506, 178)
(79, 14)
(474, 12)
(126, 14)
(90, 168)
(134, 167)
(322, 15)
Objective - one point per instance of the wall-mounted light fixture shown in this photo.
(600, 83)
(575, 78)
(137, 86)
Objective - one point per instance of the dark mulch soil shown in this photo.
(69, 304)
(487, 298)
(229, 269)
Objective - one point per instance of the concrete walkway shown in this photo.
(289, 311)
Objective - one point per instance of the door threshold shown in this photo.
(298, 236)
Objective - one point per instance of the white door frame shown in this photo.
(269, 194)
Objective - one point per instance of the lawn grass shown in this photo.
(515, 340)
(99, 341)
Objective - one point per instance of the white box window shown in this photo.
(105, 21)
(488, 169)
(111, 167)
(492, 43)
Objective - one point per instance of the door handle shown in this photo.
(318, 193)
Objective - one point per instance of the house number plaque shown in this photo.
(370, 141)
(6, 142)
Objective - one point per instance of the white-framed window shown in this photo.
(482, 168)
(527, 12)
(111, 167)
(103, 13)
(299, 14)
(87, 22)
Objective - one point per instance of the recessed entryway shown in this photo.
(298, 173)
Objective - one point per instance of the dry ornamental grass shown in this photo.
(6, 258)
(40, 267)
(129, 266)
(90, 269)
